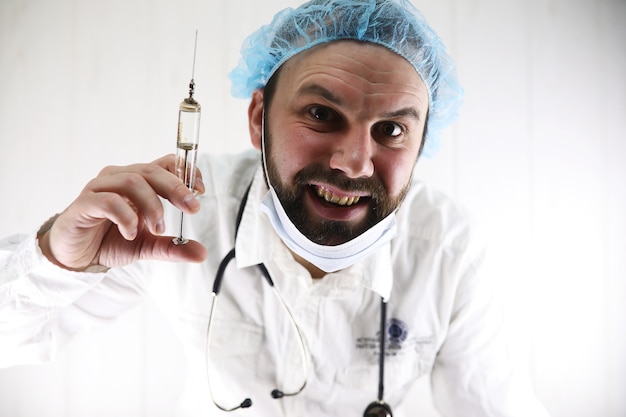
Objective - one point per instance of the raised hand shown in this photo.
(118, 219)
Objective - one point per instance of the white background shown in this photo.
(538, 155)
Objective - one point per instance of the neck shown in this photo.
(315, 272)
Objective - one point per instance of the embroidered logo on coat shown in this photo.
(399, 341)
(397, 331)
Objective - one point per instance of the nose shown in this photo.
(352, 154)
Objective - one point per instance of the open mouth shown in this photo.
(335, 198)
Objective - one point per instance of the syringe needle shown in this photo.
(192, 83)
(195, 46)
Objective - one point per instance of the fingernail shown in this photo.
(199, 183)
(191, 202)
(159, 228)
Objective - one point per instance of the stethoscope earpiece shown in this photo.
(277, 394)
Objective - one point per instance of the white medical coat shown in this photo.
(441, 318)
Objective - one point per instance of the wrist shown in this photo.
(44, 242)
(43, 239)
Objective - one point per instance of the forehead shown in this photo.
(365, 67)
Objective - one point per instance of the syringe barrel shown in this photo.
(187, 141)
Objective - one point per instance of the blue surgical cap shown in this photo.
(394, 24)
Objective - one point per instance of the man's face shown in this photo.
(343, 133)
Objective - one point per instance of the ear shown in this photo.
(255, 118)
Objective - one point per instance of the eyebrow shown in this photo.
(318, 90)
(410, 112)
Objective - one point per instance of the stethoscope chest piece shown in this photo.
(378, 409)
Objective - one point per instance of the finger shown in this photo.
(199, 183)
(93, 208)
(139, 194)
(168, 162)
(163, 182)
(162, 248)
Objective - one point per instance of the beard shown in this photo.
(324, 231)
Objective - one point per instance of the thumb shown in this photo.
(120, 252)
(164, 249)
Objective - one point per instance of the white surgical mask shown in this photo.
(327, 258)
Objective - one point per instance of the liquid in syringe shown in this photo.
(187, 142)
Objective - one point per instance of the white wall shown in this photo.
(538, 155)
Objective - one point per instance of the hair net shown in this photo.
(394, 24)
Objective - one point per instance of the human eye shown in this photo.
(322, 113)
(390, 130)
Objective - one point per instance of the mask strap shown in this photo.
(263, 151)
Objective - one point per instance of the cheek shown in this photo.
(395, 172)
(290, 154)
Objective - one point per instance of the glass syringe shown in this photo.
(187, 141)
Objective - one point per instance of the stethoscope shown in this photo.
(378, 408)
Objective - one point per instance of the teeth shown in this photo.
(335, 199)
